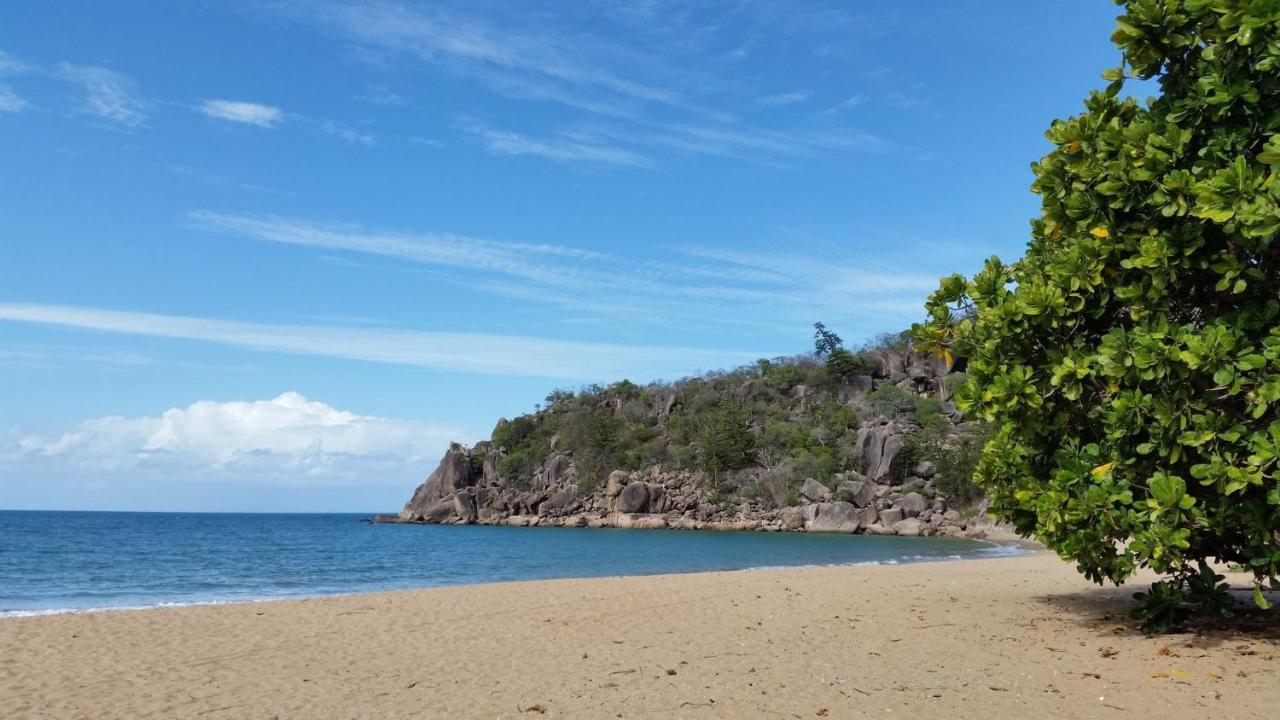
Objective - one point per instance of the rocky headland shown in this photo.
(786, 445)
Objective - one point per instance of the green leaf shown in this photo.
(1251, 362)
(1224, 376)
(1166, 489)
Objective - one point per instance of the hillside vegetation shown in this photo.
(757, 431)
(842, 440)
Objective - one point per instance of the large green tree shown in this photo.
(1129, 363)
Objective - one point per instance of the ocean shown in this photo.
(77, 561)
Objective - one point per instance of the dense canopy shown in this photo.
(1129, 363)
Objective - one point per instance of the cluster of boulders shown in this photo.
(897, 366)
(656, 499)
(861, 505)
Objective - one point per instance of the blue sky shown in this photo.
(275, 255)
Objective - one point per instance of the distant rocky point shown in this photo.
(785, 445)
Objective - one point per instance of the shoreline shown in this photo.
(1017, 547)
(1025, 637)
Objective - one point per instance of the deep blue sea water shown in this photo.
(58, 561)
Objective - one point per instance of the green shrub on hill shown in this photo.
(891, 401)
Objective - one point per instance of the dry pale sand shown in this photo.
(1010, 638)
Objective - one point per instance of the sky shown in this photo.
(276, 255)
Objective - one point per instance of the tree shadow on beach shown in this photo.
(1106, 611)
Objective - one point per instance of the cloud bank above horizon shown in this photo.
(288, 443)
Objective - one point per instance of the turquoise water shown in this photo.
(59, 561)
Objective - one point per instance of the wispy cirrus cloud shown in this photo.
(269, 116)
(451, 39)
(382, 96)
(716, 289)
(349, 135)
(650, 81)
(560, 149)
(790, 98)
(10, 65)
(214, 179)
(11, 102)
(521, 88)
(476, 353)
(838, 275)
(738, 142)
(43, 356)
(107, 94)
(429, 248)
(899, 99)
(103, 93)
(246, 113)
(113, 98)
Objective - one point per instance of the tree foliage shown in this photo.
(825, 341)
(725, 441)
(841, 363)
(1129, 363)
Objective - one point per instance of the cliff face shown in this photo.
(874, 468)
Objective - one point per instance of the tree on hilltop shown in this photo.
(841, 363)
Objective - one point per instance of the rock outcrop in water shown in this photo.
(887, 485)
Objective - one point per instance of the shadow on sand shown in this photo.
(1105, 610)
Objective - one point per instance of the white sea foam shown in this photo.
(993, 550)
(126, 608)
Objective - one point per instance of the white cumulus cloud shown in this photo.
(242, 112)
(288, 440)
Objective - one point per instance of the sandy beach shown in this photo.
(1014, 638)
